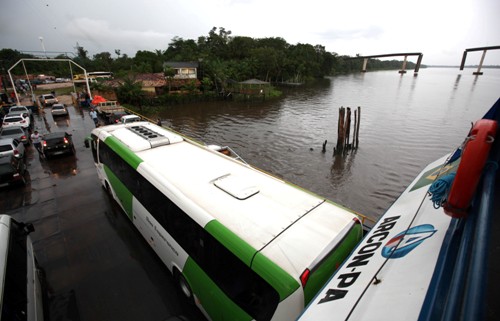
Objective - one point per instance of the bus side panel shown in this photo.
(214, 301)
(169, 251)
(35, 296)
(122, 194)
(322, 273)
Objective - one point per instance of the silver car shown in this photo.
(59, 110)
(11, 146)
(48, 100)
(15, 132)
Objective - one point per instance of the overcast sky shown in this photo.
(440, 29)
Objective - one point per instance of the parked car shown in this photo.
(129, 119)
(59, 110)
(24, 109)
(57, 143)
(22, 120)
(48, 100)
(11, 146)
(15, 132)
(12, 170)
(115, 118)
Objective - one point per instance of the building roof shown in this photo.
(181, 64)
(151, 80)
(155, 80)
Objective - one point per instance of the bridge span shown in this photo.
(483, 49)
(403, 67)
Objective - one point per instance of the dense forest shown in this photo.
(221, 57)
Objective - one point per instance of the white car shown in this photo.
(129, 119)
(17, 109)
(59, 110)
(21, 119)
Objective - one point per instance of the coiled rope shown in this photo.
(440, 188)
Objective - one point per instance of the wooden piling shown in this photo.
(344, 131)
(347, 129)
(357, 127)
(340, 132)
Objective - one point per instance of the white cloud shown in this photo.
(101, 35)
(440, 29)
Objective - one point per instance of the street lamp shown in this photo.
(43, 47)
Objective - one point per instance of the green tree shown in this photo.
(182, 50)
(130, 92)
(102, 61)
(169, 74)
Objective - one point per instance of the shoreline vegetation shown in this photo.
(223, 62)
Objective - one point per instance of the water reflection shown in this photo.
(60, 166)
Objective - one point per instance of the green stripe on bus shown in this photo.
(280, 280)
(122, 193)
(322, 274)
(214, 301)
(121, 149)
(231, 241)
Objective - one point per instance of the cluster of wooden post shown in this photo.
(344, 130)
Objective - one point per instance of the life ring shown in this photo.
(474, 156)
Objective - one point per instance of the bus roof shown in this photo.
(262, 210)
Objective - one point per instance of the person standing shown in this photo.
(36, 140)
(93, 115)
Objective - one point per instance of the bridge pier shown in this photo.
(403, 67)
(478, 72)
(365, 62)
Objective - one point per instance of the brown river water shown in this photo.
(407, 122)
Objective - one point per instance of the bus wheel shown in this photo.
(184, 287)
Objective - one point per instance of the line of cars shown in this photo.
(15, 136)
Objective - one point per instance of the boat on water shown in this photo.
(426, 257)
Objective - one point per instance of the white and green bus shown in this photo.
(242, 244)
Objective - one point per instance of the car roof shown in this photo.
(17, 112)
(12, 128)
(18, 106)
(54, 135)
(57, 105)
(6, 140)
(13, 116)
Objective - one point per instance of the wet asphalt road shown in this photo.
(98, 266)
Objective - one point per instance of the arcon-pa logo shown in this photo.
(406, 241)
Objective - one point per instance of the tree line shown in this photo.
(221, 57)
